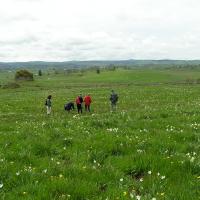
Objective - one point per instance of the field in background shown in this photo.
(148, 149)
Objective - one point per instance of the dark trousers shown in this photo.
(87, 108)
(79, 108)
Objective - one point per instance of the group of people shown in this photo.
(87, 100)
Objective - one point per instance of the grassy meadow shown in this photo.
(147, 150)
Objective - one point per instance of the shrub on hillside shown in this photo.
(24, 75)
(11, 85)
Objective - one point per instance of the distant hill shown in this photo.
(83, 64)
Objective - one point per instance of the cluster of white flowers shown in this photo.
(112, 130)
(143, 130)
(28, 168)
(170, 128)
(140, 151)
(191, 156)
(195, 125)
(76, 116)
(138, 197)
(96, 164)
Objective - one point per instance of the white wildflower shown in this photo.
(17, 173)
(192, 159)
(162, 177)
(138, 197)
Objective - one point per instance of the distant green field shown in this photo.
(148, 149)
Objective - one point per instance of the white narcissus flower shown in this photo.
(162, 177)
(138, 197)
(17, 173)
(60, 175)
(192, 159)
(131, 195)
(149, 172)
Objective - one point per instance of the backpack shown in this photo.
(45, 102)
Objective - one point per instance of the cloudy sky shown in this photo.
(59, 30)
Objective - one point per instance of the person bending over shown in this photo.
(69, 106)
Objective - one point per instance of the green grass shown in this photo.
(149, 147)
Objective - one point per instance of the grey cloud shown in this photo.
(130, 29)
(19, 41)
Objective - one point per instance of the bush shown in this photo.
(11, 85)
(198, 81)
(190, 81)
(24, 75)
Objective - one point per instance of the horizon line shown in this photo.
(101, 60)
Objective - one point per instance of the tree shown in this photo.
(98, 71)
(40, 72)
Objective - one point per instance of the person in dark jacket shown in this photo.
(69, 106)
(79, 101)
(113, 100)
(48, 104)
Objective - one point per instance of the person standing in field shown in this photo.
(48, 104)
(79, 101)
(88, 101)
(113, 100)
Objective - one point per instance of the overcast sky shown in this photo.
(59, 30)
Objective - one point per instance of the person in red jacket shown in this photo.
(88, 101)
